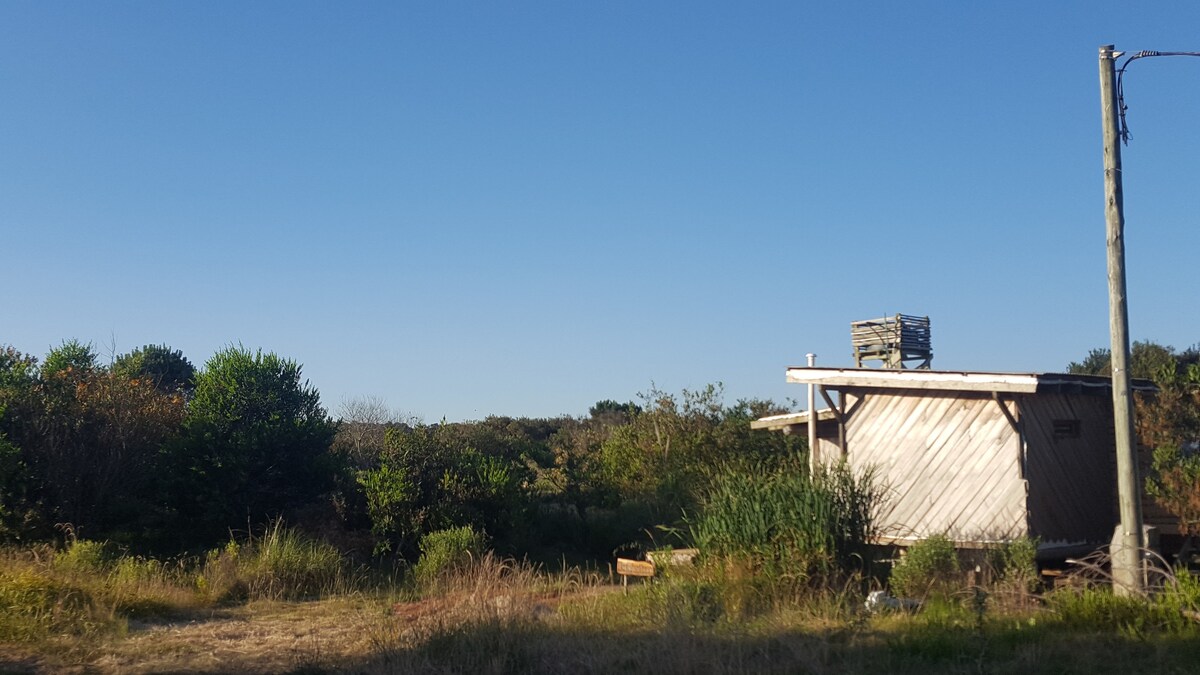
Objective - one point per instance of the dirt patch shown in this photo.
(280, 637)
(257, 638)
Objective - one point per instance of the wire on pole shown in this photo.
(1121, 107)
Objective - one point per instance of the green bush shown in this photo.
(218, 579)
(444, 551)
(85, 557)
(1014, 564)
(1182, 595)
(432, 477)
(391, 497)
(929, 566)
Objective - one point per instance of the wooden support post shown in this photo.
(812, 420)
(1126, 569)
(841, 420)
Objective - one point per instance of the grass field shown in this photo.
(279, 606)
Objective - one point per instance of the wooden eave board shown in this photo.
(946, 380)
(791, 419)
(913, 379)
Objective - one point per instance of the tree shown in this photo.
(17, 372)
(127, 421)
(610, 411)
(1147, 360)
(167, 368)
(71, 356)
(1169, 422)
(88, 441)
(254, 445)
(362, 424)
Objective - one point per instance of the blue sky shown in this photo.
(522, 208)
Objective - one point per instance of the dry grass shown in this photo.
(260, 637)
(503, 616)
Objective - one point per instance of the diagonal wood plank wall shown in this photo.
(951, 462)
(1072, 480)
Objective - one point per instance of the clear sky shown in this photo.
(520, 208)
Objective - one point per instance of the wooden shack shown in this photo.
(980, 457)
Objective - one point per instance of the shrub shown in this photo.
(929, 566)
(85, 557)
(1014, 564)
(1173, 482)
(444, 551)
(1181, 595)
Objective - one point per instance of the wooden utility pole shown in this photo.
(1127, 561)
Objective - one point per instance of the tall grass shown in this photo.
(36, 603)
(787, 522)
(281, 564)
(90, 589)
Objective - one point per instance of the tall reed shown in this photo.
(787, 521)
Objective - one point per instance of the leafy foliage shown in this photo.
(1175, 483)
(928, 566)
(89, 441)
(1015, 564)
(169, 370)
(17, 378)
(153, 454)
(612, 411)
(1169, 422)
(254, 443)
(446, 551)
(1148, 360)
(432, 478)
(71, 355)
(667, 455)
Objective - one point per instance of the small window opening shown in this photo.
(1066, 429)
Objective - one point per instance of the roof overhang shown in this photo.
(946, 380)
(792, 419)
